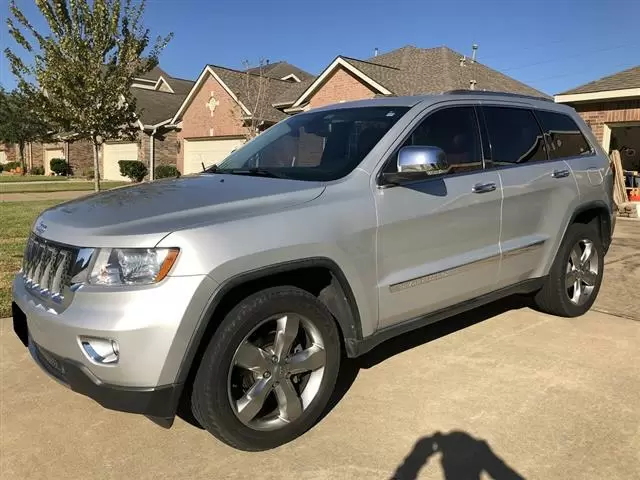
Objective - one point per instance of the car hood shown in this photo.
(141, 215)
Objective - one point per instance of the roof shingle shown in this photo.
(280, 70)
(629, 78)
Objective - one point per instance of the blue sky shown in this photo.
(552, 45)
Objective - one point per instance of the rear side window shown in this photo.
(515, 136)
(564, 137)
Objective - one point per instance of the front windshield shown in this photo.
(321, 146)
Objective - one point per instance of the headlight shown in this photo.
(131, 266)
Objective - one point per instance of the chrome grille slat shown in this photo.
(46, 267)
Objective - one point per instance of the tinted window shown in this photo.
(454, 130)
(515, 136)
(564, 137)
(323, 145)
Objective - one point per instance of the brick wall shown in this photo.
(11, 152)
(598, 114)
(340, 86)
(198, 121)
(80, 157)
(165, 149)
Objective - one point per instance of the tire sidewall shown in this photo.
(211, 382)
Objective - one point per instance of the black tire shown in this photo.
(553, 298)
(210, 397)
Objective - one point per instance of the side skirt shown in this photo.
(355, 347)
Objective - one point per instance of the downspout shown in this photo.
(152, 159)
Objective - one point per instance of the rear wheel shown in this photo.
(576, 275)
(269, 371)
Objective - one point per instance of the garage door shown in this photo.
(209, 152)
(48, 156)
(3, 156)
(112, 153)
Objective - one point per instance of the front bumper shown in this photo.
(154, 402)
(152, 327)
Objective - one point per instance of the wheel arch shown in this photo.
(334, 291)
(597, 213)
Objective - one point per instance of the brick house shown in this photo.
(611, 107)
(158, 96)
(211, 119)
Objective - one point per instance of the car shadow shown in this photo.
(351, 366)
(462, 457)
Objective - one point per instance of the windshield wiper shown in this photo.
(253, 171)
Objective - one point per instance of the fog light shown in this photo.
(101, 350)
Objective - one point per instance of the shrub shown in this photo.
(1, 167)
(37, 171)
(59, 166)
(134, 169)
(167, 171)
(11, 165)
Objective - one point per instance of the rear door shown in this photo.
(537, 191)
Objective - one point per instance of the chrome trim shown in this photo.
(522, 250)
(414, 282)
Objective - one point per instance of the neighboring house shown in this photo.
(217, 115)
(611, 107)
(158, 96)
(212, 120)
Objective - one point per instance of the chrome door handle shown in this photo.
(483, 187)
(560, 173)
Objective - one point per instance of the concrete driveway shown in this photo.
(503, 389)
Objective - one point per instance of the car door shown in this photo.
(537, 191)
(438, 238)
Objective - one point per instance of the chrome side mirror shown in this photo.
(423, 160)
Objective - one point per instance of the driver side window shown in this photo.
(455, 131)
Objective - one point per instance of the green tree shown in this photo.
(84, 64)
(20, 123)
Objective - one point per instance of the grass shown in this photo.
(57, 187)
(17, 218)
(30, 178)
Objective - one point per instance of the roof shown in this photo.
(154, 106)
(625, 79)
(432, 70)
(415, 71)
(281, 70)
(247, 87)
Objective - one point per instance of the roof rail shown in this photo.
(492, 93)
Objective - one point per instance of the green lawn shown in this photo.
(31, 178)
(57, 187)
(17, 218)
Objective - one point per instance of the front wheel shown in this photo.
(576, 274)
(269, 371)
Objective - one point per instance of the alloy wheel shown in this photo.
(581, 272)
(276, 372)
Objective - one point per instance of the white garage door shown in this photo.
(209, 152)
(112, 153)
(3, 156)
(50, 155)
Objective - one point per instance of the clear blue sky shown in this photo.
(552, 45)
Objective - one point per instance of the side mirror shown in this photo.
(425, 160)
(418, 162)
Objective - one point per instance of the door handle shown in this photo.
(560, 173)
(483, 187)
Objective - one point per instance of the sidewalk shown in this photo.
(35, 196)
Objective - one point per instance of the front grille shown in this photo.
(47, 267)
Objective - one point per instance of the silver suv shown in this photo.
(240, 289)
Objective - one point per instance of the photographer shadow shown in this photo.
(462, 457)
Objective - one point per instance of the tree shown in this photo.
(254, 93)
(19, 122)
(84, 65)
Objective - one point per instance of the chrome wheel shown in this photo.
(276, 372)
(582, 272)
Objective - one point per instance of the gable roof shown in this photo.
(281, 70)
(412, 71)
(243, 87)
(623, 80)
